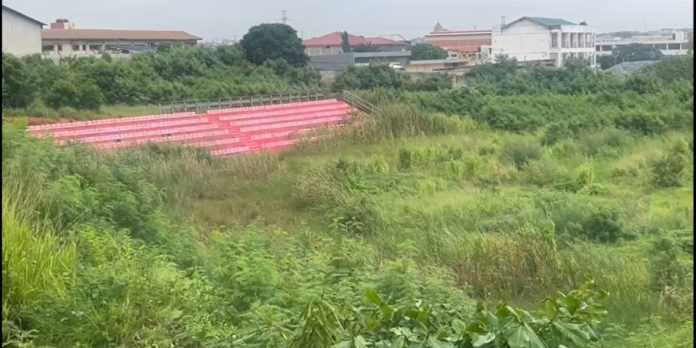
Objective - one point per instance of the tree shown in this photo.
(630, 53)
(345, 42)
(636, 52)
(273, 41)
(17, 89)
(423, 51)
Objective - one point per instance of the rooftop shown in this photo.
(543, 21)
(22, 15)
(459, 32)
(112, 34)
(334, 39)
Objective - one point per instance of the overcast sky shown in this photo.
(220, 19)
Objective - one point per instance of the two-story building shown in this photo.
(63, 40)
(674, 44)
(552, 40)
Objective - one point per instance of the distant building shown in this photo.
(436, 65)
(21, 34)
(340, 61)
(333, 44)
(460, 43)
(65, 41)
(673, 44)
(552, 40)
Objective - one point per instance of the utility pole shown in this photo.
(284, 18)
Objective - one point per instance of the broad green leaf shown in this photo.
(343, 344)
(373, 297)
(522, 336)
(482, 340)
(435, 343)
(572, 332)
(398, 342)
(359, 342)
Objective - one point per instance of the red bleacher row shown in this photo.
(222, 132)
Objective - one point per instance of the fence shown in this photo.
(201, 106)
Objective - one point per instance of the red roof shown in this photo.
(334, 39)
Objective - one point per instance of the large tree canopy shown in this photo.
(273, 41)
(425, 51)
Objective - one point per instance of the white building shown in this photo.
(675, 44)
(21, 34)
(552, 40)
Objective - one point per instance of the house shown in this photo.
(537, 39)
(333, 44)
(21, 34)
(672, 44)
(62, 40)
(460, 43)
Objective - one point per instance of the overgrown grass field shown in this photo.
(446, 219)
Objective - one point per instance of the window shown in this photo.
(94, 47)
(47, 48)
(75, 47)
(60, 48)
(674, 46)
(598, 48)
(554, 40)
(606, 48)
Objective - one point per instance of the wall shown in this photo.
(524, 40)
(341, 61)
(20, 36)
(331, 61)
(323, 50)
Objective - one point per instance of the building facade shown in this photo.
(340, 61)
(675, 44)
(331, 44)
(551, 40)
(65, 41)
(460, 43)
(21, 34)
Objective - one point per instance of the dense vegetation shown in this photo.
(176, 73)
(532, 208)
(424, 51)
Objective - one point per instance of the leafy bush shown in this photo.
(424, 51)
(667, 171)
(520, 151)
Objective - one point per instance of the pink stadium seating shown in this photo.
(224, 132)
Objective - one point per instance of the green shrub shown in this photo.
(603, 226)
(520, 151)
(667, 170)
(405, 159)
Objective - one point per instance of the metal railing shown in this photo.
(360, 103)
(202, 106)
